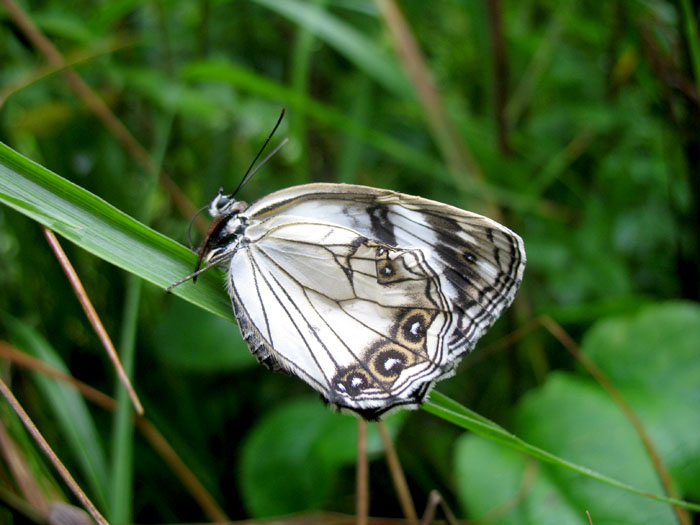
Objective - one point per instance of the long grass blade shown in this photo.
(441, 406)
(367, 55)
(103, 230)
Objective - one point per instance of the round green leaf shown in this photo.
(291, 457)
(495, 479)
(575, 419)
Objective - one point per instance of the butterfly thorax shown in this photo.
(226, 230)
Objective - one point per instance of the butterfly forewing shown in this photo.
(368, 295)
(480, 263)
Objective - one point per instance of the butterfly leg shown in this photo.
(362, 475)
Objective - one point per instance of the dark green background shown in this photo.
(597, 167)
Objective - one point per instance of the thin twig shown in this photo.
(446, 510)
(362, 475)
(24, 360)
(433, 501)
(100, 109)
(150, 432)
(398, 477)
(17, 84)
(46, 449)
(500, 74)
(92, 316)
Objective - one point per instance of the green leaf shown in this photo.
(652, 358)
(279, 472)
(291, 457)
(574, 418)
(655, 350)
(499, 482)
(449, 410)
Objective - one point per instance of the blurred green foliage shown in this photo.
(597, 166)
(571, 417)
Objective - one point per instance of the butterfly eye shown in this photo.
(219, 204)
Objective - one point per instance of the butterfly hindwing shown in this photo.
(364, 323)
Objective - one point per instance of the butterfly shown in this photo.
(368, 295)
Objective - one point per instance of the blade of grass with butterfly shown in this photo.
(108, 233)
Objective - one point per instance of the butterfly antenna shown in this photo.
(189, 226)
(250, 171)
(262, 162)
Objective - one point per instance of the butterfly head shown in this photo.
(225, 205)
(222, 238)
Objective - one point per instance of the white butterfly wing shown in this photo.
(362, 322)
(479, 263)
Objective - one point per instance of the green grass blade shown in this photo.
(690, 27)
(122, 482)
(101, 229)
(122, 461)
(368, 56)
(72, 416)
(448, 409)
